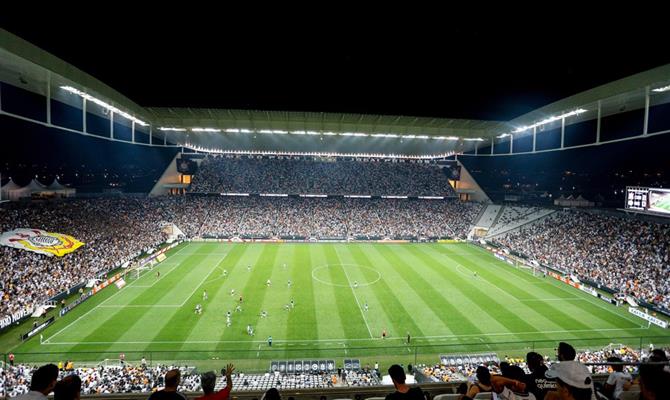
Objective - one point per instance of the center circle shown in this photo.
(323, 274)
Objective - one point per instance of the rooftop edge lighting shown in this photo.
(319, 133)
(316, 154)
(205, 130)
(101, 103)
(549, 120)
(661, 89)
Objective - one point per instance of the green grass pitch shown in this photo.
(663, 204)
(430, 291)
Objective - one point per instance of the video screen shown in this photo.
(659, 200)
(653, 200)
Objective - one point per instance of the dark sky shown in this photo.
(445, 68)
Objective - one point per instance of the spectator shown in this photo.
(271, 394)
(208, 382)
(617, 379)
(482, 384)
(42, 383)
(654, 383)
(536, 381)
(573, 380)
(566, 352)
(403, 391)
(68, 388)
(172, 379)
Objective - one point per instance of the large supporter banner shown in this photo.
(40, 241)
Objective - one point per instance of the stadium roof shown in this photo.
(285, 120)
(470, 90)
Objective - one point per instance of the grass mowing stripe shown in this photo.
(558, 288)
(353, 321)
(302, 321)
(544, 309)
(487, 303)
(395, 311)
(184, 321)
(255, 292)
(451, 316)
(134, 323)
(353, 292)
(582, 311)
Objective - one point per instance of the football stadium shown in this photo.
(333, 254)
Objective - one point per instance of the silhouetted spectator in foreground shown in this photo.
(271, 394)
(41, 383)
(402, 390)
(172, 379)
(68, 388)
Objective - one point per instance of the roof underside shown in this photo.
(36, 59)
(284, 120)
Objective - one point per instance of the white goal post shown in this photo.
(135, 271)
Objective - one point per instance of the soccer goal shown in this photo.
(531, 269)
(136, 271)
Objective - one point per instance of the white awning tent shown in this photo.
(61, 189)
(571, 201)
(12, 191)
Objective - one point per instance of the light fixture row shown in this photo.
(316, 133)
(103, 104)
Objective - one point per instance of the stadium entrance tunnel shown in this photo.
(346, 275)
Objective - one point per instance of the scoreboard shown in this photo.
(649, 200)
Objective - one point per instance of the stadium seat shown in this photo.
(448, 396)
(376, 398)
(483, 396)
(629, 395)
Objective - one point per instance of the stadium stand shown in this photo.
(513, 217)
(373, 176)
(628, 255)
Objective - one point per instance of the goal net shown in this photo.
(135, 271)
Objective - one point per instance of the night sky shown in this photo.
(350, 62)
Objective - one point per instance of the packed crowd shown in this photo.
(536, 377)
(15, 380)
(446, 372)
(115, 230)
(323, 217)
(624, 254)
(532, 378)
(239, 174)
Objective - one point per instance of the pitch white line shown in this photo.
(560, 286)
(357, 302)
(554, 299)
(506, 293)
(206, 254)
(587, 297)
(203, 280)
(474, 335)
(140, 306)
(103, 302)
